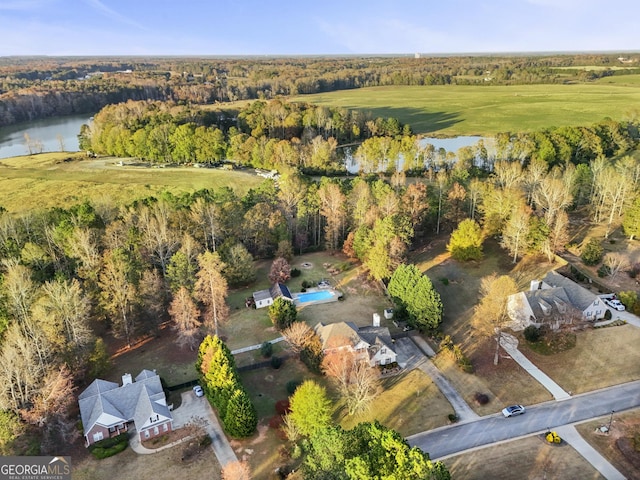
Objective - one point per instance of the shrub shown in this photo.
(452, 417)
(292, 385)
(295, 273)
(603, 271)
(607, 314)
(282, 406)
(276, 362)
(592, 252)
(481, 398)
(266, 349)
(109, 446)
(205, 440)
(444, 280)
(532, 334)
(306, 284)
(101, 453)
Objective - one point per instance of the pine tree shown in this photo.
(241, 418)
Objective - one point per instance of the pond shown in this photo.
(50, 133)
(449, 144)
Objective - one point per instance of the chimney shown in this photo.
(376, 319)
(126, 379)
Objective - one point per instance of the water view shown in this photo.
(52, 134)
(449, 144)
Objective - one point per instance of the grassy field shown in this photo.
(485, 110)
(62, 179)
(529, 458)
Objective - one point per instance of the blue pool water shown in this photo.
(314, 296)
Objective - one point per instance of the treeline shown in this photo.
(277, 134)
(209, 80)
(274, 134)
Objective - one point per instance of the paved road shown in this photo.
(495, 428)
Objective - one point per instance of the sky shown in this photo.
(321, 27)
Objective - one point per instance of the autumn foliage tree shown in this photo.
(280, 271)
(186, 318)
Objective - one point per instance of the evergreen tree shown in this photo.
(282, 313)
(310, 408)
(414, 292)
(241, 419)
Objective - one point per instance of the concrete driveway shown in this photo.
(193, 406)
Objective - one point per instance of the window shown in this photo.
(155, 430)
(146, 434)
(97, 436)
(165, 427)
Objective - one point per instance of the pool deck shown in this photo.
(334, 296)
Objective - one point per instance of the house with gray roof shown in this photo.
(108, 409)
(553, 301)
(264, 298)
(372, 343)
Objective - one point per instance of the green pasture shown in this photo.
(62, 179)
(453, 110)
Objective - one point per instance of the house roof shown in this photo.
(336, 334)
(548, 302)
(578, 296)
(376, 335)
(276, 290)
(280, 290)
(108, 404)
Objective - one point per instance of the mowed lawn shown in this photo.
(452, 110)
(530, 458)
(62, 179)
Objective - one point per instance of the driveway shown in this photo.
(193, 406)
(411, 352)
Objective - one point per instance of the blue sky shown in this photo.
(287, 27)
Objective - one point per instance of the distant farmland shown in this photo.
(453, 110)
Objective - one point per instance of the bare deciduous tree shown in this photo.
(298, 336)
(615, 262)
(490, 315)
(357, 382)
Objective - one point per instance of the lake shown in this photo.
(12, 141)
(449, 144)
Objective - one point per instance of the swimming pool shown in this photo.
(314, 296)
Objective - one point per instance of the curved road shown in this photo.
(538, 418)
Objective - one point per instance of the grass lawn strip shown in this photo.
(601, 358)
(530, 458)
(624, 424)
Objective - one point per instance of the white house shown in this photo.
(372, 344)
(554, 300)
(264, 298)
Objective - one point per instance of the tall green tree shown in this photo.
(282, 313)
(414, 292)
(310, 408)
(241, 419)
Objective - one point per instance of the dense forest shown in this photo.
(39, 87)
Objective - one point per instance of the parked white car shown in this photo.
(198, 391)
(614, 303)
